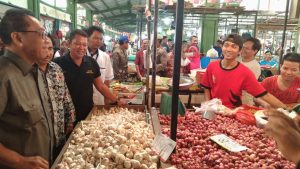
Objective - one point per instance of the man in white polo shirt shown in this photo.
(95, 41)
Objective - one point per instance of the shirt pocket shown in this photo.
(34, 114)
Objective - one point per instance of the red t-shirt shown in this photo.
(195, 59)
(228, 84)
(139, 60)
(288, 96)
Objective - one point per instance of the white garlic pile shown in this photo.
(115, 138)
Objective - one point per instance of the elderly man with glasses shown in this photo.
(26, 130)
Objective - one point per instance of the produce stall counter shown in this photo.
(110, 138)
(239, 145)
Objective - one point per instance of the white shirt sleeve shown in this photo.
(109, 69)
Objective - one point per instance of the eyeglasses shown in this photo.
(43, 34)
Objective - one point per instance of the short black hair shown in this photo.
(292, 57)
(194, 36)
(90, 30)
(51, 39)
(14, 20)
(77, 32)
(236, 39)
(256, 43)
(164, 37)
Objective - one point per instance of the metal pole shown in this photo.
(148, 57)
(137, 30)
(154, 54)
(255, 24)
(226, 26)
(176, 70)
(284, 30)
(237, 24)
(141, 29)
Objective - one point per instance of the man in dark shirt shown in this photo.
(81, 73)
(26, 131)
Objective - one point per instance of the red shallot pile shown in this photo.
(194, 149)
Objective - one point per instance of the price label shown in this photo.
(155, 121)
(228, 143)
(163, 146)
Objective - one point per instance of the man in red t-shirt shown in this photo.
(227, 78)
(139, 59)
(286, 85)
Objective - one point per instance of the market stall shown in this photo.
(222, 141)
(110, 138)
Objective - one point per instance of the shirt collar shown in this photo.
(90, 54)
(19, 62)
(68, 57)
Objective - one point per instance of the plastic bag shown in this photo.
(216, 106)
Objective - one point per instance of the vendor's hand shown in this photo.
(286, 133)
(139, 76)
(69, 128)
(33, 162)
(122, 102)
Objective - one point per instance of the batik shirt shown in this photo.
(62, 105)
(120, 64)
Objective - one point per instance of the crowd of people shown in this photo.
(45, 93)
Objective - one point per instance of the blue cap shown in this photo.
(123, 39)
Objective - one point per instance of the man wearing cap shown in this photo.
(120, 59)
(225, 79)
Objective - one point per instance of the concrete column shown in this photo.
(209, 33)
(89, 16)
(34, 6)
(72, 10)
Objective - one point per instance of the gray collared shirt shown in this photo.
(25, 122)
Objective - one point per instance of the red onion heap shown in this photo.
(194, 149)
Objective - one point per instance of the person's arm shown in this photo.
(273, 101)
(70, 115)
(138, 71)
(14, 160)
(137, 63)
(286, 133)
(262, 103)
(115, 64)
(104, 90)
(207, 94)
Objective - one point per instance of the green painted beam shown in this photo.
(127, 24)
(119, 16)
(124, 7)
(84, 1)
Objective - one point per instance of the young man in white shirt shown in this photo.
(95, 41)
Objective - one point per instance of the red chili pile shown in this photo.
(195, 150)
